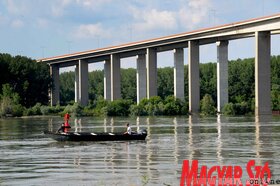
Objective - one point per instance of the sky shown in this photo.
(40, 28)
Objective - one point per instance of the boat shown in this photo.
(92, 136)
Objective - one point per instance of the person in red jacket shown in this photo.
(66, 126)
(66, 120)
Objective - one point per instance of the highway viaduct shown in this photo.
(146, 51)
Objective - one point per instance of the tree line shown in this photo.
(23, 82)
(26, 83)
(241, 80)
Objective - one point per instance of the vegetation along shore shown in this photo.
(25, 86)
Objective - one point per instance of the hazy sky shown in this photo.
(45, 28)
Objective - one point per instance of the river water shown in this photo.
(27, 157)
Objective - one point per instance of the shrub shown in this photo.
(228, 109)
(27, 112)
(172, 106)
(241, 108)
(155, 100)
(9, 104)
(157, 106)
(119, 107)
(36, 109)
(17, 110)
(185, 108)
(76, 109)
(236, 109)
(152, 106)
(207, 105)
(104, 111)
(137, 110)
(46, 110)
(6, 106)
(275, 99)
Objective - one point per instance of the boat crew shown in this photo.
(128, 129)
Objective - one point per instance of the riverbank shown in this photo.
(155, 106)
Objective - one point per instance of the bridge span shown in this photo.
(146, 51)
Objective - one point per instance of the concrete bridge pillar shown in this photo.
(194, 90)
(77, 83)
(107, 80)
(262, 74)
(54, 94)
(115, 77)
(81, 82)
(179, 83)
(141, 77)
(151, 59)
(222, 74)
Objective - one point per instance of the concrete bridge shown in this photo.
(146, 52)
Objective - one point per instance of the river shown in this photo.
(27, 157)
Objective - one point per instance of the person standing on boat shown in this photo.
(128, 129)
(65, 127)
(66, 119)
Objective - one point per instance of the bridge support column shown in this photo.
(81, 83)
(54, 93)
(222, 74)
(262, 74)
(141, 77)
(115, 77)
(107, 80)
(194, 91)
(179, 83)
(151, 59)
(77, 84)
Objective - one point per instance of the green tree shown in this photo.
(128, 84)
(208, 80)
(96, 86)
(275, 82)
(4, 68)
(9, 102)
(207, 105)
(165, 82)
(228, 109)
(67, 88)
(241, 80)
(119, 107)
(172, 106)
(31, 80)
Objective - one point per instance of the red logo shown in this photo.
(224, 175)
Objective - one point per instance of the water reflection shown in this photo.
(78, 124)
(26, 154)
(194, 138)
(50, 124)
(112, 124)
(219, 140)
(176, 143)
(222, 135)
(149, 151)
(263, 136)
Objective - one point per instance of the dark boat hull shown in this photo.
(86, 136)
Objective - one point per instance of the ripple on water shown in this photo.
(29, 158)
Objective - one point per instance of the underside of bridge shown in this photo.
(146, 52)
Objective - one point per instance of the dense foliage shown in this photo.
(29, 79)
(158, 106)
(241, 85)
(25, 84)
